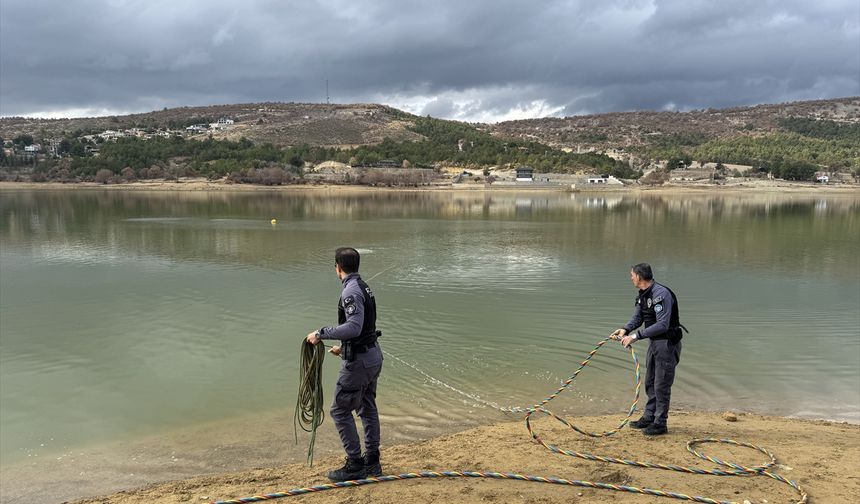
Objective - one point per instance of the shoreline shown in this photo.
(822, 456)
(202, 184)
(213, 462)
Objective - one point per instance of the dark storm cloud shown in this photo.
(481, 60)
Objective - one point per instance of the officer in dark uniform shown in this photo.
(359, 371)
(656, 309)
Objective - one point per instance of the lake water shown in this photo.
(143, 325)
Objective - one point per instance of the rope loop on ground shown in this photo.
(732, 468)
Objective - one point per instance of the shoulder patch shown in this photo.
(658, 307)
(348, 300)
(350, 309)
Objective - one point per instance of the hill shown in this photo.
(791, 140)
(281, 124)
(286, 124)
(800, 137)
(649, 129)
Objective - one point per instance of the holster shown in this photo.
(346, 352)
(676, 333)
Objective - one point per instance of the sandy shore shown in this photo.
(202, 184)
(822, 457)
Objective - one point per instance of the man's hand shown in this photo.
(626, 341)
(313, 338)
(335, 350)
(618, 334)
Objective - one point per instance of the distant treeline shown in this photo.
(828, 130)
(806, 146)
(461, 144)
(779, 151)
(446, 142)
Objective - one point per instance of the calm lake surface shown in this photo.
(146, 325)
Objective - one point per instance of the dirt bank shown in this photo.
(823, 457)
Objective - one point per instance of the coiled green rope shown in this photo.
(309, 405)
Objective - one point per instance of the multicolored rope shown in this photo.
(733, 469)
(569, 381)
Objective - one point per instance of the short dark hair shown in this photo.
(348, 259)
(643, 270)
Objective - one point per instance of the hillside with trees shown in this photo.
(275, 143)
(819, 135)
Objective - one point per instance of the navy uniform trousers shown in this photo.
(356, 391)
(662, 358)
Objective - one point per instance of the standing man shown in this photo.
(359, 371)
(656, 309)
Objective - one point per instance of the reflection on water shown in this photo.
(127, 315)
(773, 231)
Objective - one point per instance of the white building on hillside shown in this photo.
(604, 179)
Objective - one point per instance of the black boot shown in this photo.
(655, 430)
(642, 423)
(371, 464)
(352, 470)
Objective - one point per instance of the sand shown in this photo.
(822, 457)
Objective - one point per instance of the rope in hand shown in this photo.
(309, 404)
(733, 469)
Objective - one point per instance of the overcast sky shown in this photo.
(474, 60)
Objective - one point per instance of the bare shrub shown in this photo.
(154, 172)
(64, 175)
(266, 176)
(128, 174)
(271, 176)
(391, 178)
(60, 173)
(103, 175)
(176, 171)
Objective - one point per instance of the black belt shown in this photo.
(363, 348)
(665, 335)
